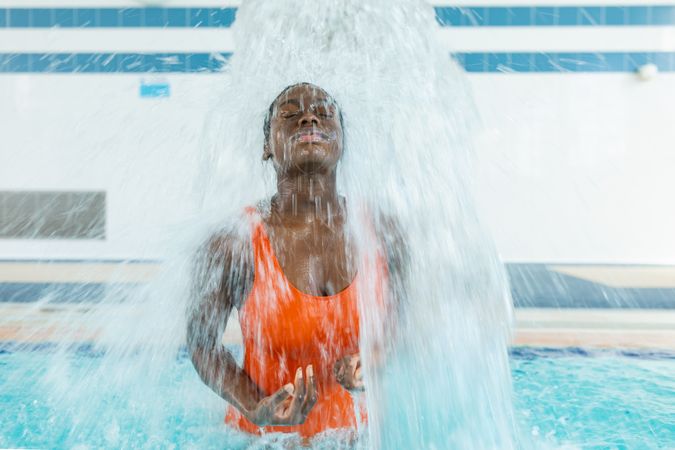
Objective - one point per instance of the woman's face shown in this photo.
(305, 131)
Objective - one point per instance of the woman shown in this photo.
(294, 283)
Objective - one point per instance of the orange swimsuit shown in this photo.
(284, 328)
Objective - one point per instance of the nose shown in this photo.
(308, 119)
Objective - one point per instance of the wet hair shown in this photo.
(268, 117)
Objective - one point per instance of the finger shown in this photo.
(310, 401)
(300, 387)
(281, 395)
(358, 375)
(354, 365)
(299, 394)
(339, 370)
(339, 366)
(357, 381)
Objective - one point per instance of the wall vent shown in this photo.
(52, 215)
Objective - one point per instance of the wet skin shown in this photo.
(306, 219)
(306, 226)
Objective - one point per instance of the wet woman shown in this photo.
(294, 282)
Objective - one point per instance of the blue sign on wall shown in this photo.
(160, 89)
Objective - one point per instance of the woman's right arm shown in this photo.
(216, 285)
(223, 275)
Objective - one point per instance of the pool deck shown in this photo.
(557, 305)
(536, 327)
(604, 328)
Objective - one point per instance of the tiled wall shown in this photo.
(574, 159)
(177, 62)
(565, 61)
(506, 62)
(657, 15)
(552, 16)
(116, 17)
(112, 62)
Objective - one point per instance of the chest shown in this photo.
(316, 260)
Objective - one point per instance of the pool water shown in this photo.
(563, 399)
(601, 400)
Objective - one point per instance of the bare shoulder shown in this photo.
(392, 238)
(390, 231)
(224, 265)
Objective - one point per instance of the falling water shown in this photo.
(408, 120)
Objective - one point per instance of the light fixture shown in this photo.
(647, 71)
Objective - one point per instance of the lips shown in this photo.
(311, 136)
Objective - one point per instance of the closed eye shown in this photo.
(326, 113)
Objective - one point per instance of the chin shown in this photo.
(313, 157)
(314, 163)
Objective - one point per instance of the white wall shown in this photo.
(571, 167)
(578, 167)
(80, 132)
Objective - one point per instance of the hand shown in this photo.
(347, 372)
(288, 406)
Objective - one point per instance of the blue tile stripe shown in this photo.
(60, 292)
(486, 16)
(153, 17)
(564, 61)
(552, 16)
(212, 62)
(112, 62)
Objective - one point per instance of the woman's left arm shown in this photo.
(347, 369)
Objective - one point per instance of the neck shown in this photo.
(307, 197)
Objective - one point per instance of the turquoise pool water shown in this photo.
(563, 398)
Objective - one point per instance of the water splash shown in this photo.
(408, 127)
(408, 122)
